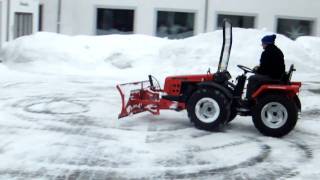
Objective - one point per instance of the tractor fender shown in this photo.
(214, 85)
(287, 89)
(298, 102)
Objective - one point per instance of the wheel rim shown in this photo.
(207, 110)
(274, 115)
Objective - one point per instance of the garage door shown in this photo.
(23, 24)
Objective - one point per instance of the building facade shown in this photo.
(165, 18)
(178, 18)
(18, 18)
(292, 18)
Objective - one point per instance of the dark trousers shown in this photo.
(254, 82)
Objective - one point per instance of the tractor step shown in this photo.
(242, 111)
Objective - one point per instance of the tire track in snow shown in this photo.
(280, 172)
(30, 107)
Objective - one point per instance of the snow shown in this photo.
(59, 109)
(132, 57)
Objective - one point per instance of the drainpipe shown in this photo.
(59, 16)
(206, 11)
(8, 19)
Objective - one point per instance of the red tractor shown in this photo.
(211, 100)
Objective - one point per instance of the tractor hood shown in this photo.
(191, 78)
(173, 84)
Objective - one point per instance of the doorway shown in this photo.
(23, 24)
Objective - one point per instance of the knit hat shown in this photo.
(269, 39)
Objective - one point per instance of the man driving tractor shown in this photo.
(272, 66)
(213, 100)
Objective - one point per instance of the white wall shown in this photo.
(81, 19)
(25, 6)
(267, 12)
(50, 15)
(3, 21)
(79, 16)
(1, 25)
(7, 14)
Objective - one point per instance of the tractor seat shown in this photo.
(286, 77)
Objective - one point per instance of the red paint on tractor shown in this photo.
(145, 99)
(173, 83)
(293, 88)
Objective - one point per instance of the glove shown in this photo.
(255, 69)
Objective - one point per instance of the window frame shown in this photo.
(96, 7)
(229, 13)
(194, 11)
(312, 19)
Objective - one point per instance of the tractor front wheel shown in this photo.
(208, 109)
(275, 115)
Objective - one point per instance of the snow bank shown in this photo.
(311, 45)
(135, 56)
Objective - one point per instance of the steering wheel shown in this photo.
(245, 69)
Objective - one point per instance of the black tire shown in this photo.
(203, 98)
(233, 114)
(278, 105)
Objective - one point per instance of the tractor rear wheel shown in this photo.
(275, 115)
(208, 109)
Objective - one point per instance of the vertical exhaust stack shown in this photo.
(226, 46)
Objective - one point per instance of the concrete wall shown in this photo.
(81, 19)
(3, 21)
(50, 15)
(25, 6)
(267, 12)
(79, 16)
(8, 8)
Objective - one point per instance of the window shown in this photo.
(114, 21)
(175, 25)
(23, 24)
(293, 28)
(237, 20)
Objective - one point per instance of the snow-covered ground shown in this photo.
(59, 108)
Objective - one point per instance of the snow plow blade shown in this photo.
(141, 99)
(144, 97)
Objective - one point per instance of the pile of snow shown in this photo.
(311, 45)
(135, 56)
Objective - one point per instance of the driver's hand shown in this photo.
(255, 69)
